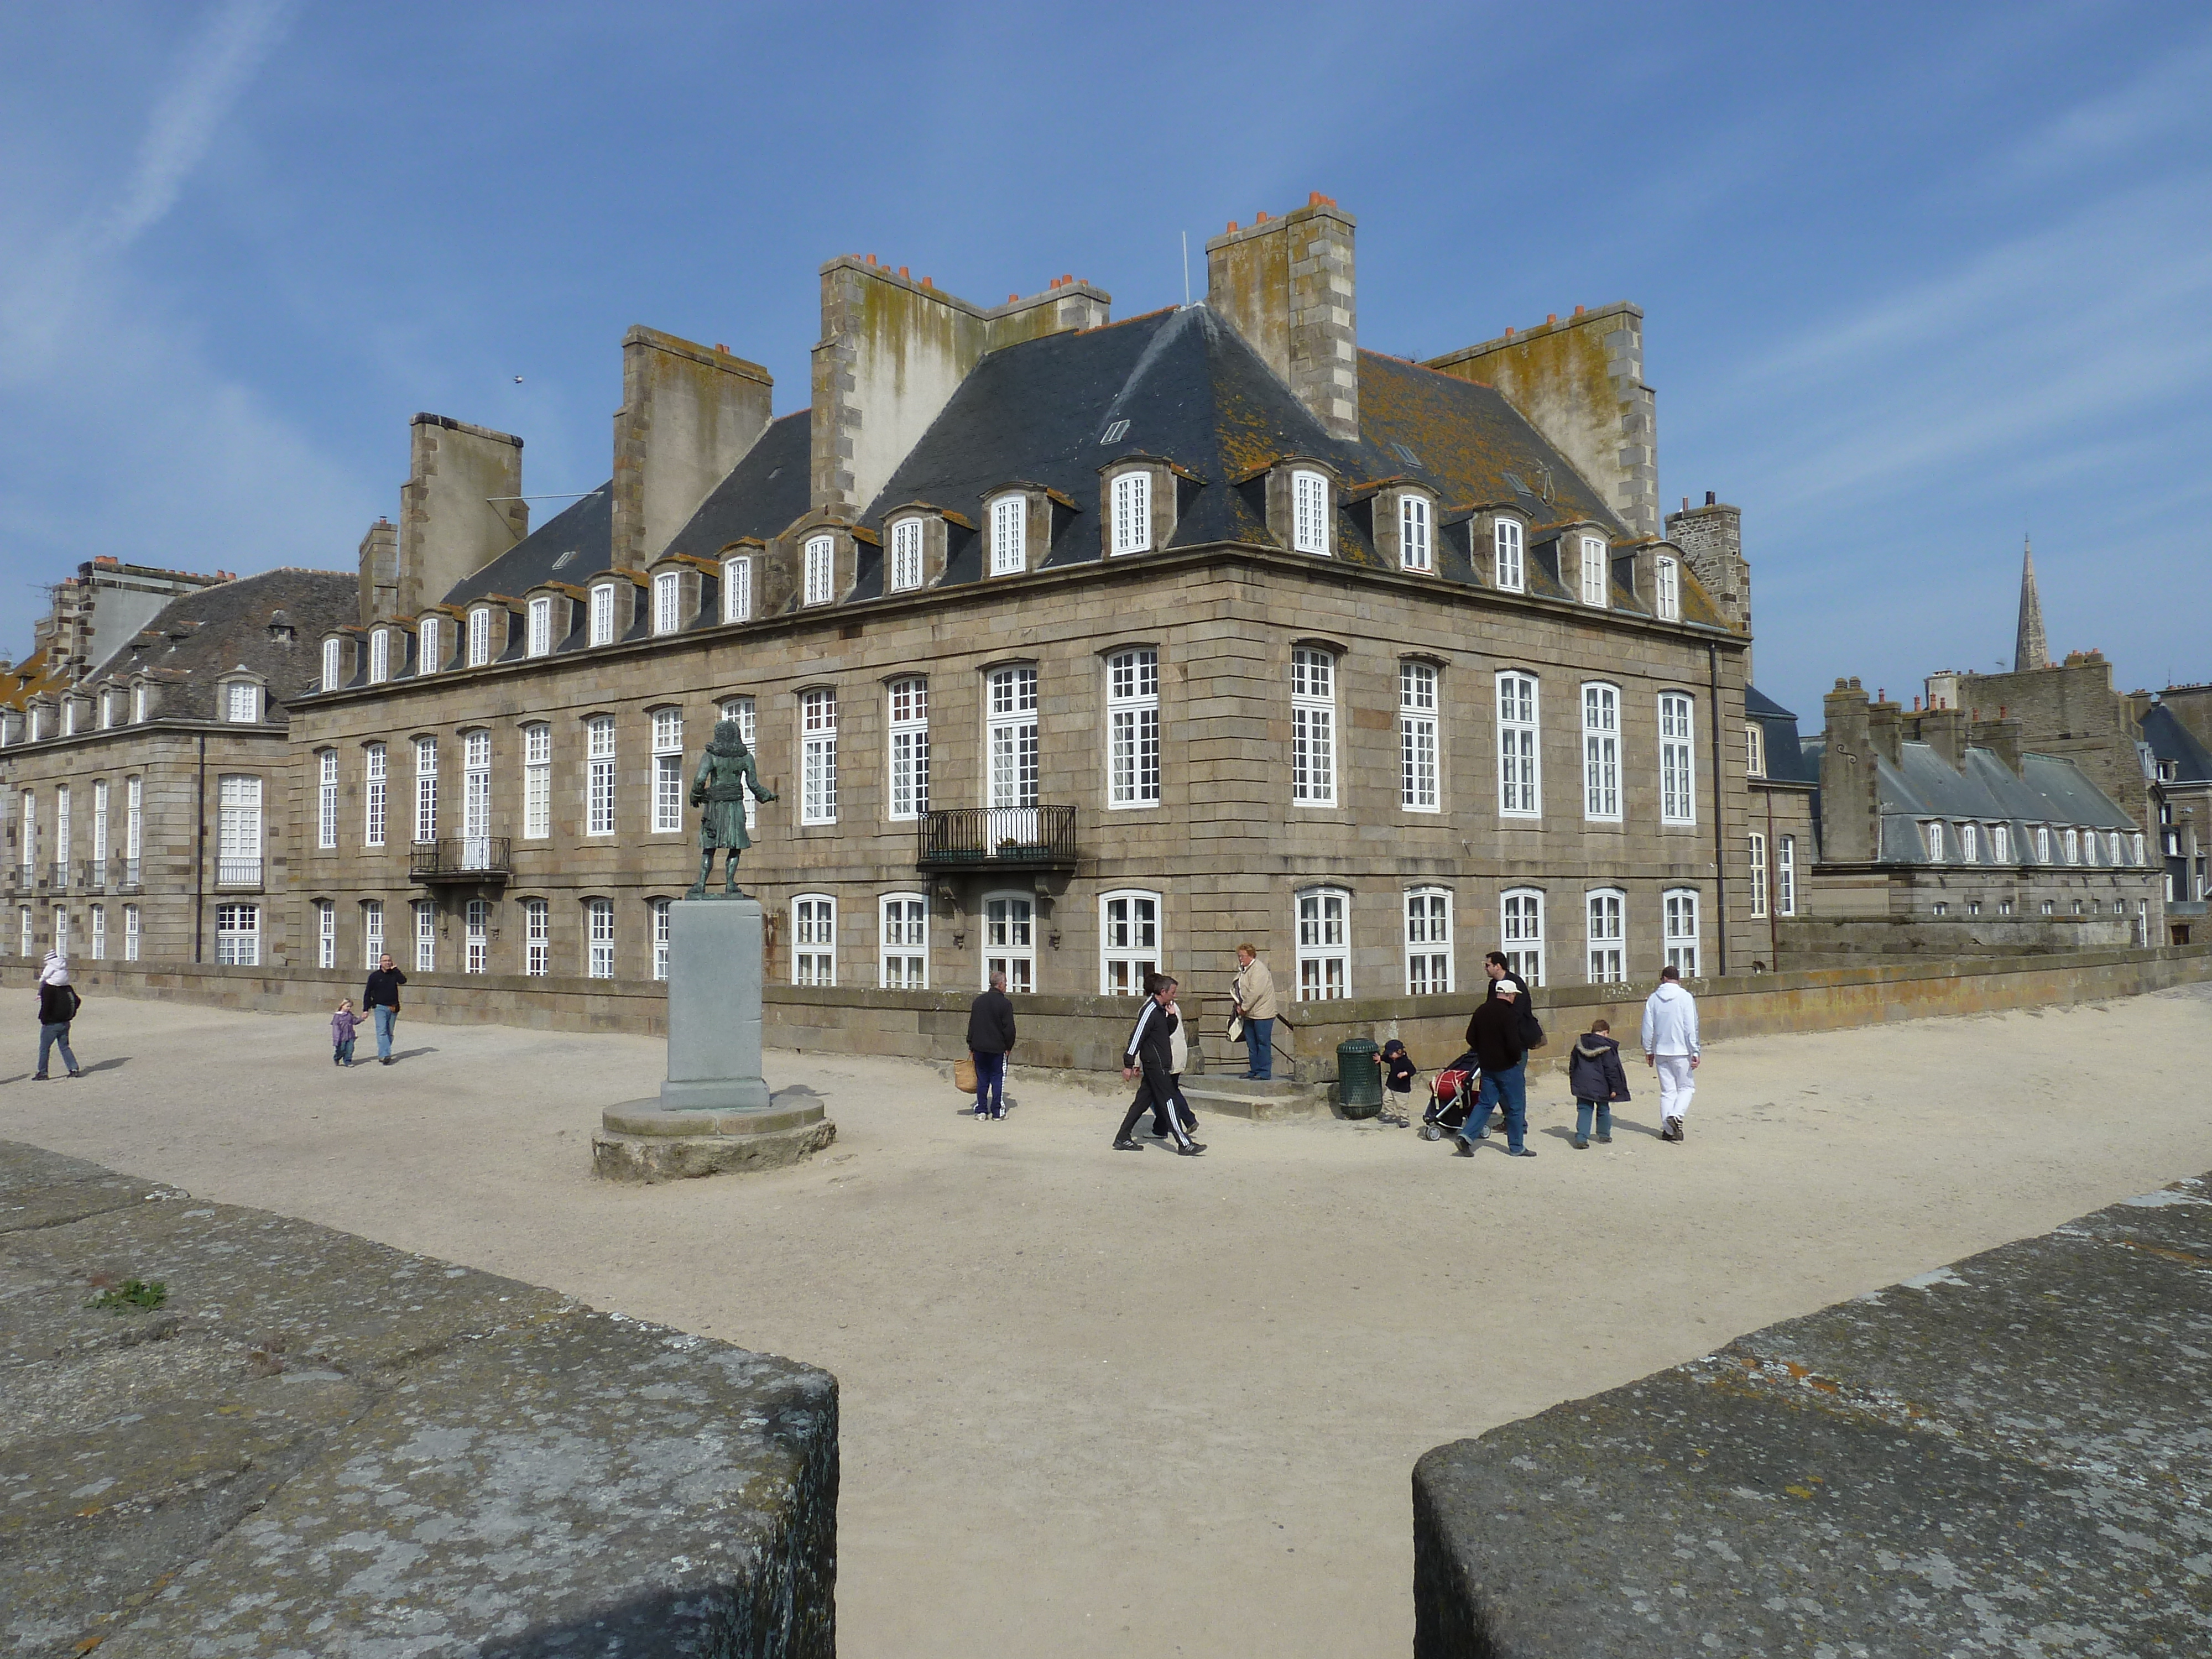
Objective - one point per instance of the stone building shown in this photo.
(1783, 840)
(2181, 762)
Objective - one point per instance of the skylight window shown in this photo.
(1115, 433)
(1406, 455)
(564, 558)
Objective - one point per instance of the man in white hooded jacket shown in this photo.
(1670, 1042)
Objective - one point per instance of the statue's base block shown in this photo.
(639, 1141)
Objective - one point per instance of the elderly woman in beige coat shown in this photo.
(1254, 992)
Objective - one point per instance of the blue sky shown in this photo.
(1916, 279)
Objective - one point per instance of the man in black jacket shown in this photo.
(1495, 1036)
(1503, 977)
(990, 1040)
(1148, 1051)
(381, 998)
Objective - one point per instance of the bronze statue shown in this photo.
(726, 773)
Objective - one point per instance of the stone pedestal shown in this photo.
(714, 1112)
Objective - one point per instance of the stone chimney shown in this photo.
(1580, 382)
(1885, 731)
(1944, 731)
(1850, 819)
(1287, 286)
(2000, 737)
(379, 572)
(458, 510)
(1711, 539)
(893, 350)
(690, 413)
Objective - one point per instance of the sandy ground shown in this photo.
(1099, 1403)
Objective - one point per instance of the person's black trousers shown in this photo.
(1155, 1093)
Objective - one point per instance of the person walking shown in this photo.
(57, 1006)
(381, 998)
(1670, 1042)
(1252, 992)
(990, 1040)
(1178, 1058)
(1596, 1081)
(1501, 977)
(1495, 1036)
(345, 1025)
(1149, 1054)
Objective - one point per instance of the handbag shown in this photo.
(964, 1075)
(1236, 1028)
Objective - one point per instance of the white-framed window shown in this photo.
(536, 937)
(29, 838)
(479, 651)
(537, 781)
(241, 703)
(374, 785)
(1428, 942)
(1679, 913)
(742, 710)
(426, 936)
(2000, 843)
(1667, 577)
(1312, 726)
(1132, 728)
(909, 732)
(814, 939)
(1605, 911)
(1754, 750)
(602, 620)
(1010, 534)
(379, 660)
(99, 792)
(333, 663)
(2043, 843)
(475, 936)
(1132, 514)
(1506, 546)
(1010, 737)
(667, 771)
(1678, 795)
(141, 704)
(426, 789)
(1324, 944)
(326, 933)
(1418, 786)
(1128, 941)
(430, 655)
(540, 635)
(1970, 844)
(2070, 841)
(1601, 752)
(2135, 843)
(1785, 876)
(1308, 514)
(737, 588)
(62, 838)
(26, 937)
(819, 575)
(1931, 836)
(1520, 930)
(62, 928)
(100, 933)
(237, 935)
(2088, 846)
(1010, 940)
(663, 920)
(599, 775)
(903, 942)
(372, 931)
(668, 602)
(598, 938)
(134, 825)
(1519, 778)
(817, 756)
(1597, 573)
(906, 555)
(1417, 548)
(1758, 874)
(107, 708)
(2112, 846)
(326, 798)
(475, 798)
(238, 832)
(132, 930)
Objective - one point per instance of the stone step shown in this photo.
(1230, 1096)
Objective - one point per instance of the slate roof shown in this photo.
(197, 637)
(1786, 761)
(577, 542)
(2170, 740)
(1922, 786)
(766, 492)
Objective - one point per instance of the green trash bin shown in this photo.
(1358, 1078)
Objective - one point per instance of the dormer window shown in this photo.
(2043, 843)
(1010, 525)
(68, 718)
(1595, 575)
(738, 589)
(602, 615)
(379, 656)
(480, 636)
(668, 602)
(333, 665)
(1667, 578)
(820, 572)
(1754, 745)
(1934, 833)
(541, 626)
(38, 722)
(241, 703)
(137, 703)
(1416, 543)
(905, 570)
(1970, 844)
(1309, 513)
(107, 710)
(433, 655)
(1132, 514)
(2071, 842)
(1505, 544)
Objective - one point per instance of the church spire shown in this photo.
(2030, 649)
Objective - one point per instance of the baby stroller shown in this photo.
(1452, 1095)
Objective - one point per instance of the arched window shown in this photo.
(819, 575)
(1324, 944)
(1010, 534)
(1678, 912)
(1970, 844)
(1132, 514)
(599, 775)
(430, 650)
(540, 635)
(1428, 942)
(603, 614)
(1667, 577)
(479, 636)
(667, 602)
(738, 589)
(476, 800)
(902, 941)
(1758, 875)
(1132, 728)
(1418, 790)
(663, 923)
(814, 939)
(1518, 778)
(667, 771)
(1128, 941)
(598, 938)
(742, 710)
(1607, 912)
(1010, 940)
(1601, 752)
(1312, 726)
(1521, 930)
(1597, 576)
(1931, 834)
(1416, 540)
(326, 798)
(817, 756)
(333, 657)
(537, 781)
(1505, 546)
(909, 732)
(1678, 799)
(1011, 739)
(379, 658)
(1309, 513)
(906, 555)
(238, 851)
(537, 938)
(426, 936)
(476, 933)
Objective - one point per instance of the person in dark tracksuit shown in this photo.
(1148, 1053)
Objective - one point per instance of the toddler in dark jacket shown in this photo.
(1398, 1072)
(1593, 1074)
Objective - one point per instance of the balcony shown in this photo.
(238, 874)
(472, 859)
(130, 875)
(95, 877)
(998, 838)
(61, 875)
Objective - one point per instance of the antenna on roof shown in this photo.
(1186, 269)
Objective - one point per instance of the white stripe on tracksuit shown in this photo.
(1163, 1096)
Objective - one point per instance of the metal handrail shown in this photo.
(997, 834)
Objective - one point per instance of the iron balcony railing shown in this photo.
(61, 875)
(237, 873)
(95, 875)
(464, 858)
(998, 838)
(131, 872)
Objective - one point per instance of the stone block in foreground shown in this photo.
(321, 1445)
(2007, 1456)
